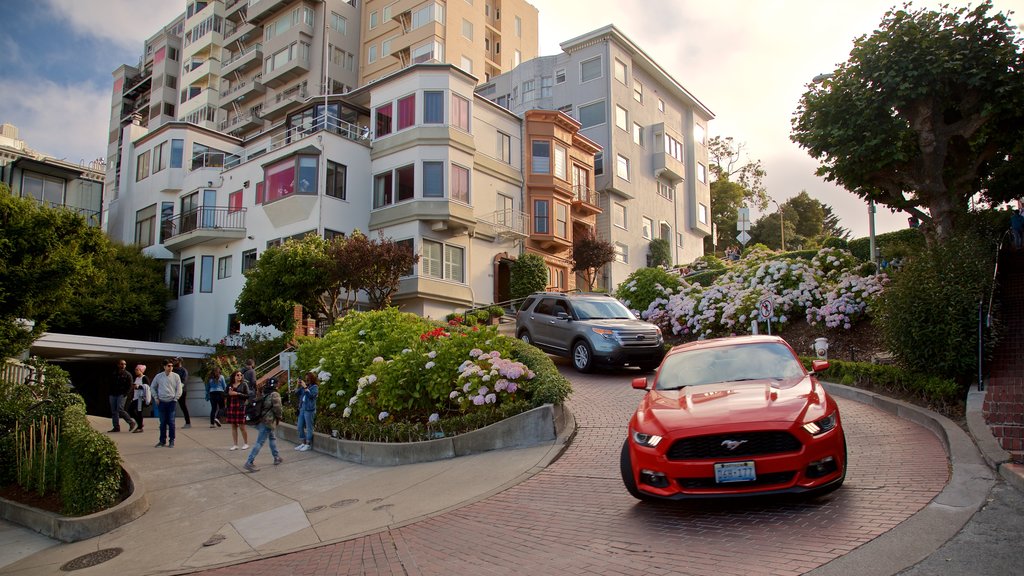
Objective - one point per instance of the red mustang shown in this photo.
(733, 417)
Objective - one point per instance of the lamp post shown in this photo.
(782, 225)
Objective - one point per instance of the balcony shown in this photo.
(585, 201)
(443, 216)
(506, 224)
(235, 11)
(242, 91)
(286, 72)
(242, 122)
(241, 62)
(282, 102)
(204, 225)
(262, 10)
(665, 165)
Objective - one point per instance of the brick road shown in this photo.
(574, 517)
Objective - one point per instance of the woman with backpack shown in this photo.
(267, 419)
(238, 393)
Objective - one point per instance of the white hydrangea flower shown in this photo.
(333, 406)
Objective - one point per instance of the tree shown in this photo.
(379, 266)
(830, 227)
(808, 219)
(45, 256)
(296, 272)
(766, 230)
(124, 296)
(726, 199)
(927, 112)
(659, 253)
(726, 165)
(528, 274)
(589, 255)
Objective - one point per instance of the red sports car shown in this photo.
(733, 417)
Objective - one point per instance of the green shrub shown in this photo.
(495, 311)
(928, 315)
(90, 466)
(659, 253)
(706, 278)
(910, 239)
(835, 242)
(799, 254)
(940, 394)
(646, 285)
(548, 386)
(528, 274)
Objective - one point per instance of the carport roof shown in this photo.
(74, 348)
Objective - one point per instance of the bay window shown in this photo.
(295, 174)
(460, 184)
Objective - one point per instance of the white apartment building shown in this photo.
(210, 203)
(652, 171)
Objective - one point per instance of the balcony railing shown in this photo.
(508, 223)
(586, 195)
(204, 224)
(329, 123)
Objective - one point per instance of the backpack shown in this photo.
(255, 409)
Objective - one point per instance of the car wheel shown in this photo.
(525, 336)
(582, 357)
(628, 479)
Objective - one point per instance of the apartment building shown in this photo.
(651, 170)
(431, 176)
(483, 37)
(50, 181)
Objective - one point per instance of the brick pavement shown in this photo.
(575, 517)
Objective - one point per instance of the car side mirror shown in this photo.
(562, 316)
(640, 383)
(819, 365)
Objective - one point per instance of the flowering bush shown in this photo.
(646, 285)
(848, 302)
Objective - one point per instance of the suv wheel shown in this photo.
(525, 337)
(582, 357)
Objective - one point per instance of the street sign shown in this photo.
(743, 219)
(765, 308)
(743, 237)
(287, 360)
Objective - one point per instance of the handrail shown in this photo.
(206, 218)
(987, 321)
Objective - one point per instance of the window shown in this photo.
(528, 90)
(517, 58)
(702, 213)
(621, 253)
(145, 226)
(406, 245)
(427, 14)
(560, 76)
(698, 134)
(142, 166)
(206, 274)
(385, 46)
(545, 87)
(679, 239)
(177, 153)
(599, 163)
(405, 182)
(47, 190)
(433, 107)
(592, 114)
(560, 154)
(519, 27)
(166, 221)
(622, 167)
(336, 177)
(541, 217)
(248, 259)
(406, 111)
(386, 13)
(467, 29)
(666, 231)
(540, 158)
(561, 220)
(460, 184)
(638, 134)
(382, 123)
(235, 201)
(702, 174)
(590, 69)
(174, 280)
(674, 148)
(339, 23)
(224, 267)
(661, 105)
(371, 54)
(646, 227)
(638, 91)
(433, 179)
(374, 19)
(442, 261)
(188, 276)
(621, 118)
(296, 174)
(619, 214)
(427, 52)
(397, 184)
(160, 157)
(665, 190)
(620, 71)
(467, 64)
(460, 112)
(505, 147)
(505, 206)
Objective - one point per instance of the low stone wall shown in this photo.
(73, 529)
(542, 424)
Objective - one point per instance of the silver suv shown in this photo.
(592, 329)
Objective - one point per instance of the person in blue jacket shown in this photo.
(309, 388)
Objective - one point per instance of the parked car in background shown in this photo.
(591, 329)
(734, 416)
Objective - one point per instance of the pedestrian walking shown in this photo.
(249, 372)
(179, 369)
(271, 410)
(120, 388)
(215, 388)
(141, 396)
(237, 394)
(167, 389)
(309, 389)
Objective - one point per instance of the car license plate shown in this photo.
(735, 472)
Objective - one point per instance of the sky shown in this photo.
(748, 61)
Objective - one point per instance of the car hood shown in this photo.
(732, 403)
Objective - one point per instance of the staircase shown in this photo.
(1004, 396)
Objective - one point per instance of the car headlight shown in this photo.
(648, 440)
(604, 332)
(821, 425)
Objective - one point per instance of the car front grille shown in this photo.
(639, 339)
(751, 444)
(762, 480)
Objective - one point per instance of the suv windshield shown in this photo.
(601, 310)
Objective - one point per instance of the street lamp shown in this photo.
(782, 225)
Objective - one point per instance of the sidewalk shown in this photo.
(206, 511)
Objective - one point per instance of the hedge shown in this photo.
(89, 466)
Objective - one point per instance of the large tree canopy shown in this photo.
(927, 112)
(736, 183)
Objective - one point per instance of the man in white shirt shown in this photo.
(166, 389)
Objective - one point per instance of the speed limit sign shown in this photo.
(765, 308)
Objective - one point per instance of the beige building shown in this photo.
(482, 37)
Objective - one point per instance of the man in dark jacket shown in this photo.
(182, 373)
(271, 409)
(120, 387)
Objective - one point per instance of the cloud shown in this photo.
(64, 121)
(127, 23)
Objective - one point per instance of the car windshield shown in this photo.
(602, 310)
(766, 360)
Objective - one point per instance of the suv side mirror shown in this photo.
(561, 315)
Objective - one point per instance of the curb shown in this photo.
(924, 532)
(999, 459)
(73, 529)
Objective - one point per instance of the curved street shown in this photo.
(574, 517)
